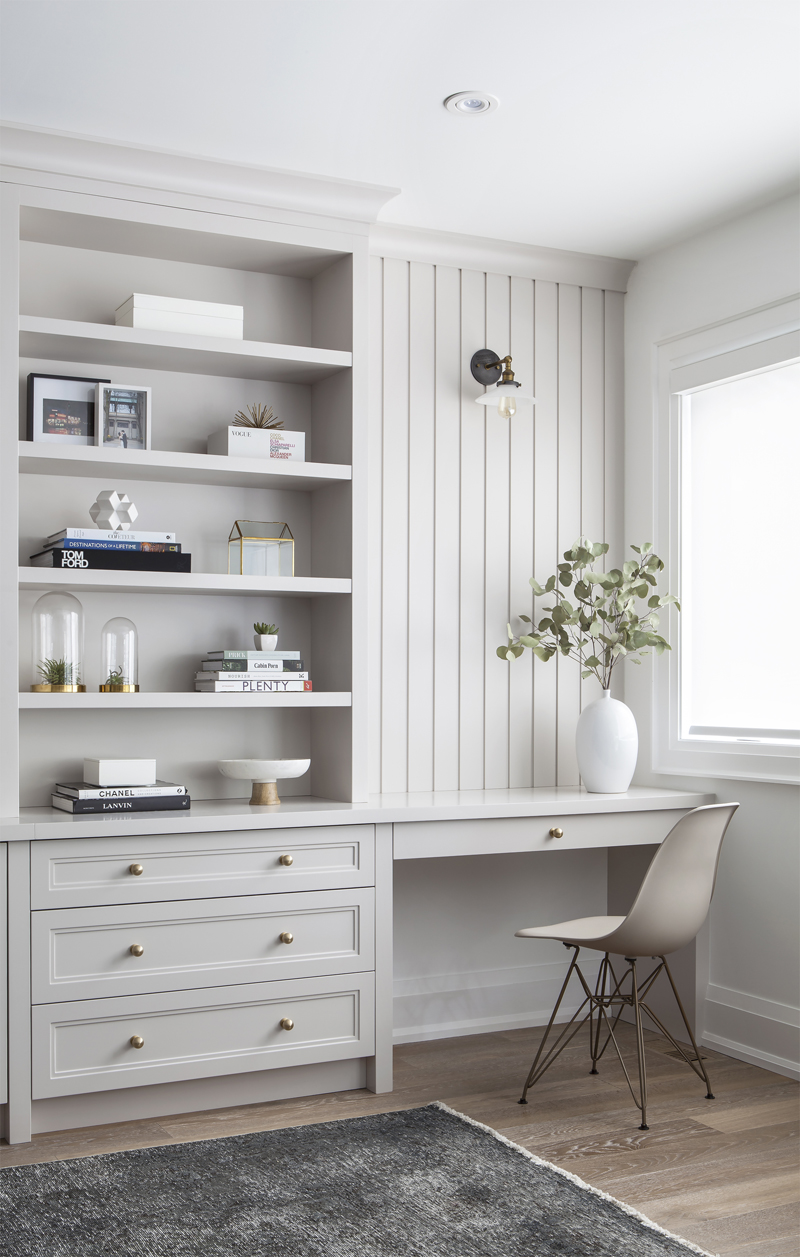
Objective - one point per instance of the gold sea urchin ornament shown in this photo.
(258, 416)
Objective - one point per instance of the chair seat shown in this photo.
(585, 931)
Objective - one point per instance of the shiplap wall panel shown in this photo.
(520, 564)
(374, 649)
(466, 507)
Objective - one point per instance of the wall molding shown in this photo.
(502, 257)
(752, 1029)
(116, 162)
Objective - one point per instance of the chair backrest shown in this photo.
(674, 898)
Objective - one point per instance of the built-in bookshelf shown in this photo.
(302, 282)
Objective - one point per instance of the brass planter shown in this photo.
(58, 689)
(118, 689)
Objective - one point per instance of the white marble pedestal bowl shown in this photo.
(263, 773)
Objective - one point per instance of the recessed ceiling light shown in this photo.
(471, 102)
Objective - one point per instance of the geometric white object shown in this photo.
(113, 510)
(606, 745)
(119, 772)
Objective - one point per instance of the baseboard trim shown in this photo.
(478, 1025)
(752, 1056)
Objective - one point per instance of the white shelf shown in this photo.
(66, 340)
(182, 699)
(100, 581)
(175, 468)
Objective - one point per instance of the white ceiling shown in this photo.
(623, 124)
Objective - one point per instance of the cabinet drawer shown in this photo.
(86, 1046)
(78, 872)
(85, 953)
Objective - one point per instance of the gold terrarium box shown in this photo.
(260, 549)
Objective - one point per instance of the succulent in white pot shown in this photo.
(602, 627)
(266, 637)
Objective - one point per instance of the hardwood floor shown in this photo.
(723, 1173)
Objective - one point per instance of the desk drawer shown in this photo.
(85, 953)
(415, 840)
(86, 1046)
(78, 872)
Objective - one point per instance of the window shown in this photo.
(728, 703)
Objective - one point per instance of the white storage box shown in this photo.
(119, 772)
(240, 442)
(174, 314)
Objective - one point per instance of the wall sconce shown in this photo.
(486, 367)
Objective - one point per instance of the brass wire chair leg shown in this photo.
(637, 1009)
(529, 1079)
(709, 1093)
(594, 1036)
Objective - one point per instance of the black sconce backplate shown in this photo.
(482, 371)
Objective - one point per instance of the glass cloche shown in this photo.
(119, 657)
(58, 645)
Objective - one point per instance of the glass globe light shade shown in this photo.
(505, 397)
(119, 657)
(57, 624)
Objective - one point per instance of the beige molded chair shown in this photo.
(671, 905)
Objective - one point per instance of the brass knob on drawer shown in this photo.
(287, 1023)
(136, 949)
(286, 937)
(136, 869)
(555, 832)
(137, 1041)
(286, 860)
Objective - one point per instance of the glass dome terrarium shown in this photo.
(58, 645)
(259, 549)
(119, 657)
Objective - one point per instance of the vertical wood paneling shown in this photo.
(520, 564)
(496, 558)
(394, 716)
(375, 571)
(466, 507)
(420, 526)
(545, 547)
(569, 509)
(447, 528)
(473, 532)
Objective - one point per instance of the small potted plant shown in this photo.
(266, 637)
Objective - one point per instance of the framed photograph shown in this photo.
(123, 416)
(61, 409)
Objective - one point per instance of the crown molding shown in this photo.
(62, 153)
(503, 257)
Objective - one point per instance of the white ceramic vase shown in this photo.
(266, 641)
(606, 743)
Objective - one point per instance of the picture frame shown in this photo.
(61, 408)
(123, 414)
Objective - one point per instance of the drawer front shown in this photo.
(418, 840)
(81, 872)
(85, 953)
(86, 1046)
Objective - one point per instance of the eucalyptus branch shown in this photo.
(605, 619)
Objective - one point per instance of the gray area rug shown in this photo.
(426, 1182)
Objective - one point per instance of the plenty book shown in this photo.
(85, 790)
(169, 803)
(264, 663)
(109, 534)
(112, 560)
(265, 685)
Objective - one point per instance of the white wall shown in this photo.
(752, 1007)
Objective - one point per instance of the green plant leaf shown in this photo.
(526, 618)
(550, 586)
(536, 587)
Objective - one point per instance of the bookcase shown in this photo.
(73, 248)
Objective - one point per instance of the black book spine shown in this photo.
(168, 803)
(120, 561)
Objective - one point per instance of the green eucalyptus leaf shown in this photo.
(535, 586)
(526, 618)
(550, 586)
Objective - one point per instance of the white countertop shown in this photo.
(210, 815)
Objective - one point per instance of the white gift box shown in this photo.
(174, 314)
(119, 772)
(239, 442)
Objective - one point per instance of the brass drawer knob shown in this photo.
(287, 1023)
(555, 832)
(136, 949)
(286, 860)
(286, 937)
(137, 1041)
(136, 869)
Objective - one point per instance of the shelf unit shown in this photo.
(302, 280)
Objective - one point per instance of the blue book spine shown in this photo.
(158, 547)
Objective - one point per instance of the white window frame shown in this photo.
(737, 347)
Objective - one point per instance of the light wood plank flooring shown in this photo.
(723, 1173)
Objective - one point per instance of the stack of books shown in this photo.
(252, 672)
(80, 797)
(88, 548)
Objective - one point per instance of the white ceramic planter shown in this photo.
(606, 743)
(266, 641)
